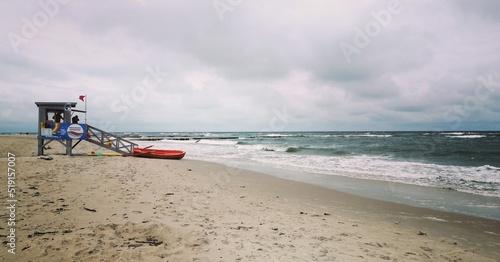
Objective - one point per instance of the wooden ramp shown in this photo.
(109, 141)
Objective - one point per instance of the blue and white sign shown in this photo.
(65, 131)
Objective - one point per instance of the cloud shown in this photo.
(262, 59)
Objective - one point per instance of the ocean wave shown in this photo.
(277, 135)
(321, 147)
(270, 148)
(221, 142)
(368, 135)
(339, 152)
(453, 133)
(488, 167)
(255, 147)
(207, 134)
(178, 141)
(467, 136)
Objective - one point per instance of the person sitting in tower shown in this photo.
(57, 117)
(75, 119)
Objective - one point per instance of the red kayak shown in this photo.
(158, 153)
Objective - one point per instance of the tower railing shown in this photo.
(109, 141)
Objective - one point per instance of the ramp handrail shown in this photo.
(109, 141)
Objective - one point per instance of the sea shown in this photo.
(449, 171)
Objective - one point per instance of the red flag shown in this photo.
(82, 97)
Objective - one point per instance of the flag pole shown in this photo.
(86, 108)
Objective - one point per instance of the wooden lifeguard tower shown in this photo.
(55, 123)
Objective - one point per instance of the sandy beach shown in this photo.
(80, 208)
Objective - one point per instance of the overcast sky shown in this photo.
(254, 65)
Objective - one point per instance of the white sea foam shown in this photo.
(220, 142)
(488, 167)
(436, 219)
(366, 135)
(467, 136)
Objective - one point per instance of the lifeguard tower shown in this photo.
(56, 122)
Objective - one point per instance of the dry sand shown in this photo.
(79, 208)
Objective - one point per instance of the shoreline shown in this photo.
(440, 199)
(210, 212)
